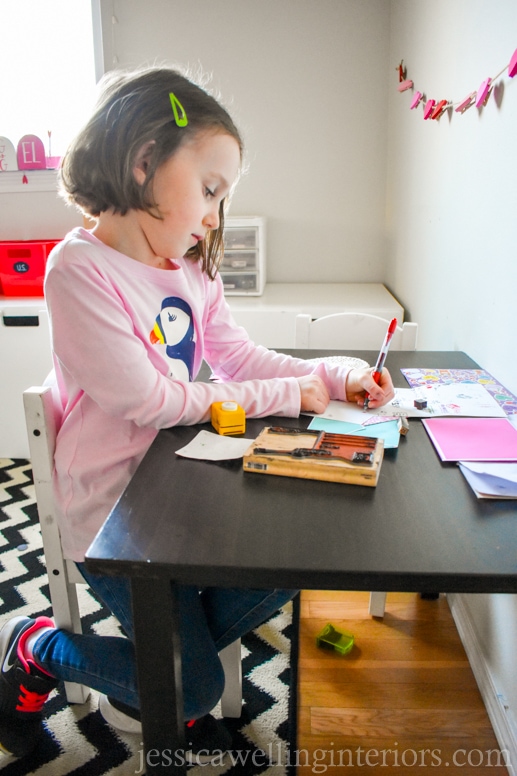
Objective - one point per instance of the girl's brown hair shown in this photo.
(134, 109)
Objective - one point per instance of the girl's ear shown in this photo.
(142, 160)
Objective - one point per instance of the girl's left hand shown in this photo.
(360, 381)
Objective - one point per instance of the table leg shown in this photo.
(158, 657)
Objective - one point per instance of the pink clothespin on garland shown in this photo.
(466, 103)
(483, 93)
(404, 85)
(416, 100)
(428, 108)
(439, 109)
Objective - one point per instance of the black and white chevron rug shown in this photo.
(77, 740)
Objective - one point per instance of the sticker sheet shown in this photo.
(425, 377)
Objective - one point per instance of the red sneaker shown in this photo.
(24, 688)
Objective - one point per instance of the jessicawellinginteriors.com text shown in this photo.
(323, 760)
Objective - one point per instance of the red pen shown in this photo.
(382, 357)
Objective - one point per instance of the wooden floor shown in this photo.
(404, 700)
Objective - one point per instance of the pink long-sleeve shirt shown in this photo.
(127, 340)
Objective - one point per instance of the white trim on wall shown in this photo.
(496, 704)
(98, 51)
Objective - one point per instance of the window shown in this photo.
(47, 70)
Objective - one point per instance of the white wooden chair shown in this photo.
(354, 331)
(63, 574)
(351, 331)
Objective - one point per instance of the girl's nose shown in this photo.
(212, 218)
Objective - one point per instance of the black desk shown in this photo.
(420, 529)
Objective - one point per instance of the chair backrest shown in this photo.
(40, 418)
(351, 331)
(63, 574)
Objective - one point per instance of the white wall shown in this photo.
(294, 74)
(452, 198)
(452, 220)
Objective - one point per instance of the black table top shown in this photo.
(422, 528)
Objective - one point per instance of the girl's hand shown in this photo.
(314, 394)
(360, 381)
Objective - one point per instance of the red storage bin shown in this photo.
(22, 266)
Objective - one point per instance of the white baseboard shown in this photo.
(496, 705)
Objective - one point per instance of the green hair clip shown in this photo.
(181, 117)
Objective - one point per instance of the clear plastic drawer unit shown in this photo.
(243, 269)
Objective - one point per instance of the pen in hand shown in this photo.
(381, 358)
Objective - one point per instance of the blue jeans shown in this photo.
(210, 619)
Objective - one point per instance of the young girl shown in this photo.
(135, 305)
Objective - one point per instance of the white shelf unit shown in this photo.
(270, 318)
(243, 269)
(26, 360)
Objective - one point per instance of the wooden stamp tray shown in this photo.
(315, 455)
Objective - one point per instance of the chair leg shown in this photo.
(65, 608)
(377, 604)
(76, 693)
(231, 700)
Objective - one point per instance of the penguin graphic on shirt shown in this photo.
(174, 328)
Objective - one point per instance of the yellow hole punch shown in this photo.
(228, 417)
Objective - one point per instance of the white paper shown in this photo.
(461, 399)
(497, 480)
(341, 410)
(348, 361)
(207, 446)
(503, 471)
(347, 412)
